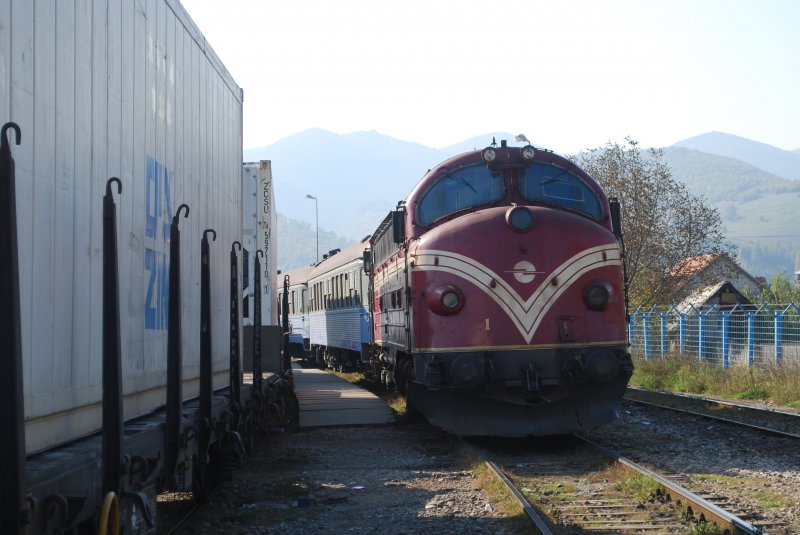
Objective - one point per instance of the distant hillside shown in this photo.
(348, 174)
(760, 211)
(783, 163)
(359, 177)
(720, 178)
(297, 243)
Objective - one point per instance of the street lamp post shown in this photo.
(316, 217)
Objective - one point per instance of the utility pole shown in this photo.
(316, 218)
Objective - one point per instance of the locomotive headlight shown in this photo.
(451, 300)
(596, 294)
(445, 300)
(489, 154)
(528, 152)
(519, 218)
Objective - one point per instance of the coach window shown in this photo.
(548, 184)
(459, 189)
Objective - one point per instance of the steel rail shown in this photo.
(747, 408)
(676, 493)
(537, 520)
(193, 509)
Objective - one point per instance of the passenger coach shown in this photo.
(339, 318)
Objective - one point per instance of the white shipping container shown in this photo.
(260, 227)
(104, 88)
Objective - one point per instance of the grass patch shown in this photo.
(769, 499)
(352, 377)
(717, 478)
(756, 392)
(638, 485)
(706, 528)
(779, 384)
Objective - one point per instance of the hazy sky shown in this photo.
(570, 75)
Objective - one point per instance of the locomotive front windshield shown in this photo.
(456, 190)
(549, 184)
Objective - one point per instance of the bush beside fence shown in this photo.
(743, 335)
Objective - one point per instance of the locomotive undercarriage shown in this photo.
(520, 393)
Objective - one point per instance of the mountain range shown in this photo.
(358, 178)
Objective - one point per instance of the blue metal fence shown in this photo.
(747, 335)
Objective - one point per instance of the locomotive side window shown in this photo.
(549, 184)
(459, 189)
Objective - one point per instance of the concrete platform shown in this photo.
(327, 400)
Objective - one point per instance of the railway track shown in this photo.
(576, 486)
(176, 510)
(766, 420)
(749, 469)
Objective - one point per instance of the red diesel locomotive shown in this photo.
(498, 301)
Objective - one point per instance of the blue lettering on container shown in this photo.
(158, 215)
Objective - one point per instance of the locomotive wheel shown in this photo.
(403, 373)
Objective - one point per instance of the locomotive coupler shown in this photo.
(531, 378)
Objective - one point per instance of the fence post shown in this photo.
(726, 330)
(778, 336)
(751, 338)
(646, 334)
(682, 332)
(701, 342)
(663, 333)
(631, 331)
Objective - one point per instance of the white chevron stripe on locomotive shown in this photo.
(526, 314)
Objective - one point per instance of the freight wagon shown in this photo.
(129, 90)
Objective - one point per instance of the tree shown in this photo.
(662, 223)
(779, 291)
